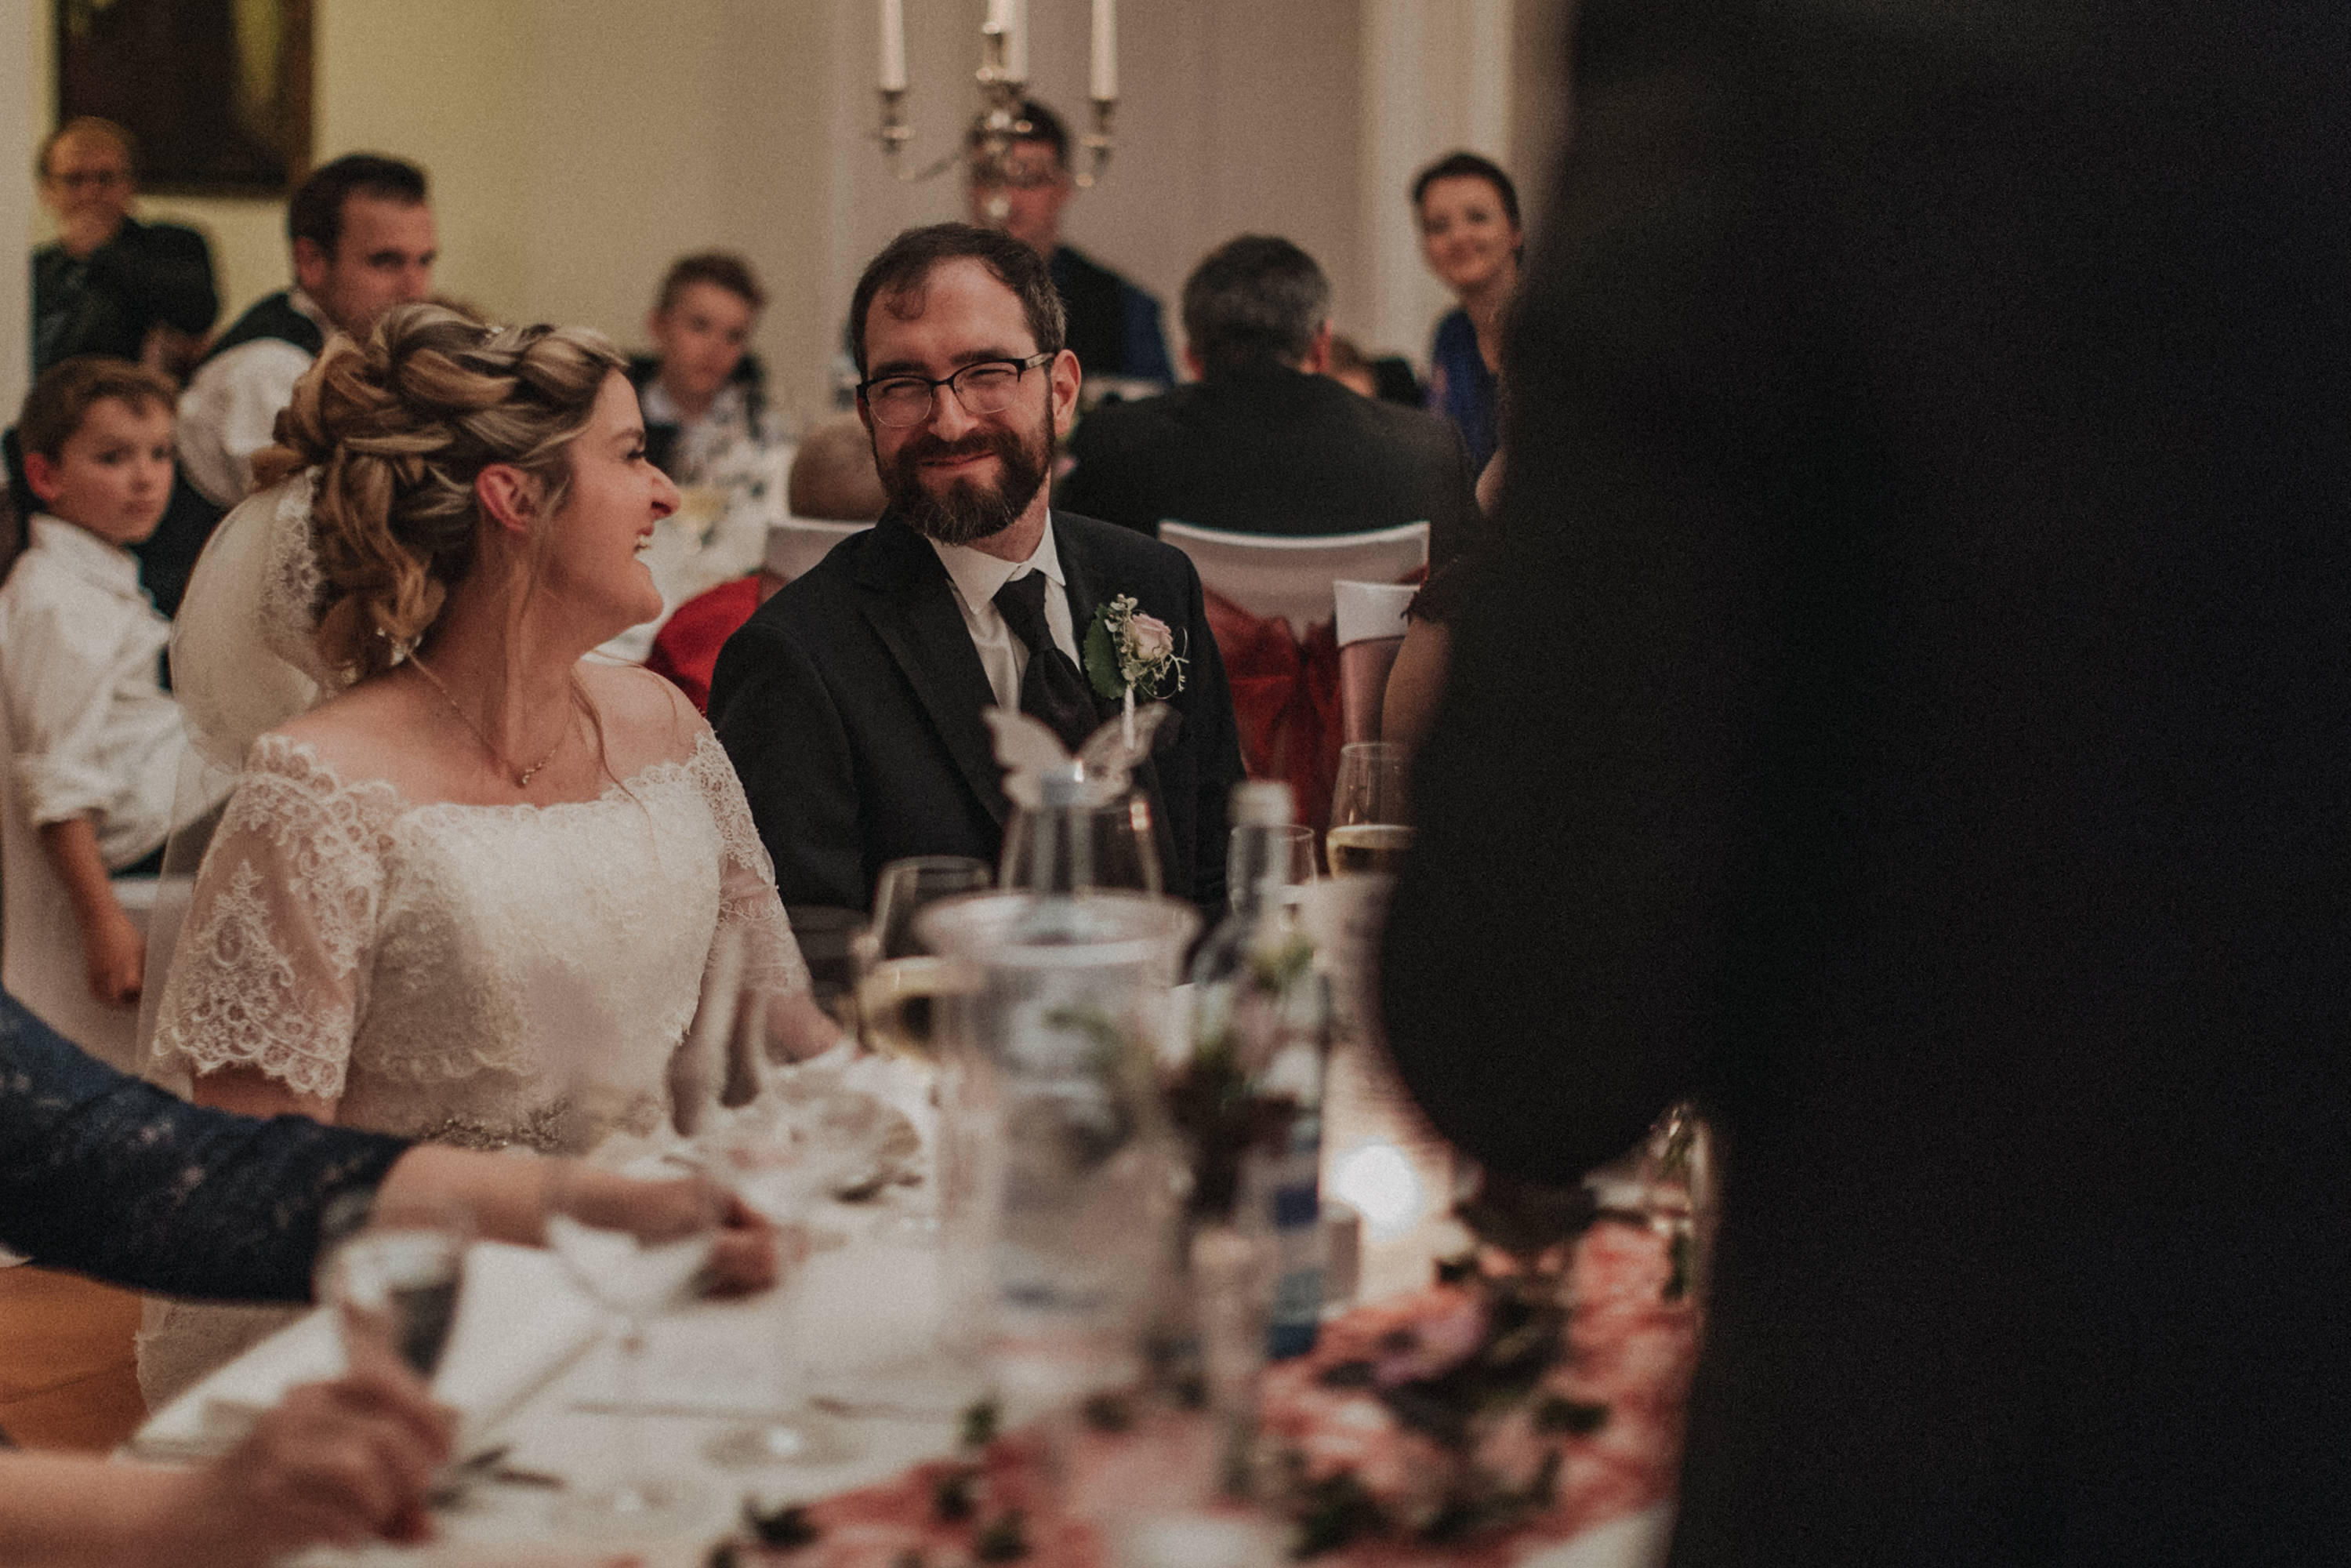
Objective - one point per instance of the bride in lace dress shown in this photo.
(471, 896)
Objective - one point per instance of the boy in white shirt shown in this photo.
(97, 741)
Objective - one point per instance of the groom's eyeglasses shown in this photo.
(982, 389)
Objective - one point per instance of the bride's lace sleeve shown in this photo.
(747, 879)
(270, 971)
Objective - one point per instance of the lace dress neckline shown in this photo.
(285, 754)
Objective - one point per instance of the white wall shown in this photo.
(576, 146)
(24, 104)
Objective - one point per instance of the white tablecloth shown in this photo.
(867, 1299)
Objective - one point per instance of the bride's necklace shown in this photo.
(521, 777)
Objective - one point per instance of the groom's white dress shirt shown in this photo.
(978, 576)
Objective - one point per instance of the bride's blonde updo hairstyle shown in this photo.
(399, 428)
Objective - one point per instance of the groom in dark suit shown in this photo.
(850, 702)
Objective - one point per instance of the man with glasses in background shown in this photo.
(851, 702)
(110, 283)
(1112, 326)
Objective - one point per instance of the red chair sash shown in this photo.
(685, 649)
(1286, 701)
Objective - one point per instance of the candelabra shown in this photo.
(1003, 82)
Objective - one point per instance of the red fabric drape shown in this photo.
(686, 647)
(1286, 700)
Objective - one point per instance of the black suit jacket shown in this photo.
(106, 302)
(1272, 451)
(1913, 715)
(851, 705)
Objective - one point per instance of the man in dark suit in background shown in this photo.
(110, 283)
(1265, 442)
(1913, 715)
(850, 702)
(1110, 322)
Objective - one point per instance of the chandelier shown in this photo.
(1003, 77)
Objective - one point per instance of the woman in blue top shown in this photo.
(1468, 215)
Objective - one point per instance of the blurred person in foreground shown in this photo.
(1264, 441)
(111, 1176)
(340, 1462)
(110, 283)
(1909, 718)
(1113, 325)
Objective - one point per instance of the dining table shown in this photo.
(855, 1335)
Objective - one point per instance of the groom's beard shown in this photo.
(969, 509)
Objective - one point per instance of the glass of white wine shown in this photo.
(1370, 821)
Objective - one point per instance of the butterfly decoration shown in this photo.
(1028, 753)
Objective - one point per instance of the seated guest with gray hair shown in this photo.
(1265, 442)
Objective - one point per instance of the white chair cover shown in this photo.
(40, 946)
(1370, 610)
(795, 544)
(1370, 629)
(1274, 575)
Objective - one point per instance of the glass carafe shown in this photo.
(1065, 1178)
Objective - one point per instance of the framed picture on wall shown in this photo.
(217, 91)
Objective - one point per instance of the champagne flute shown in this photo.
(1277, 860)
(635, 1266)
(1370, 821)
(900, 977)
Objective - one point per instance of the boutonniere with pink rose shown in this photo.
(1131, 656)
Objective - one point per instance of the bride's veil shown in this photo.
(243, 662)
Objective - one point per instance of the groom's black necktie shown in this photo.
(1051, 690)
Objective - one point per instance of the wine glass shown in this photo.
(1278, 861)
(779, 1162)
(744, 1027)
(1371, 819)
(394, 1282)
(831, 942)
(767, 1145)
(905, 886)
(900, 977)
(1075, 847)
(636, 1264)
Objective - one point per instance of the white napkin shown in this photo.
(519, 1321)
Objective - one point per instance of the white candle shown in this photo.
(1016, 44)
(1106, 54)
(893, 45)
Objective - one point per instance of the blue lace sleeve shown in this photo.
(110, 1177)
